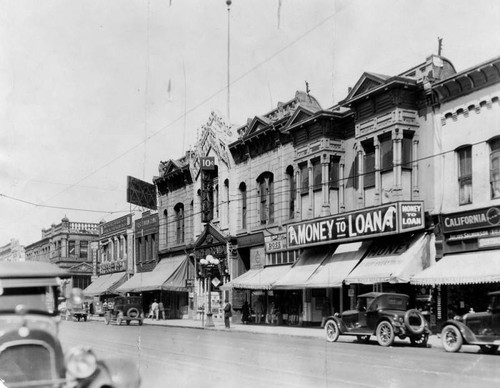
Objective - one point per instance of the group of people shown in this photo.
(156, 310)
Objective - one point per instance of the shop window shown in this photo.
(71, 247)
(266, 194)
(386, 154)
(291, 192)
(333, 172)
(179, 216)
(317, 175)
(84, 249)
(465, 175)
(243, 195)
(304, 179)
(369, 167)
(495, 167)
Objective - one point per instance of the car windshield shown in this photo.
(35, 299)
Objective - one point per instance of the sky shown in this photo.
(92, 91)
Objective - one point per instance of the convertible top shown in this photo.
(376, 294)
(29, 274)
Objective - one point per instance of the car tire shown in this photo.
(420, 340)
(415, 330)
(332, 330)
(489, 349)
(132, 312)
(451, 339)
(385, 333)
(363, 338)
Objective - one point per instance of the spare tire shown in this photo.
(133, 312)
(411, 317)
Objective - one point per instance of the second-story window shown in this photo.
(165, 223)
(386, 154)
(465, 175)
(304, 179)
(495, 167)
(84, 249)
(71, 248)
(179, 217)
(291, 192)
(243, 194)
(317, 174)
(333, 172)
(407, 152)
(369, 166)
(266, 197)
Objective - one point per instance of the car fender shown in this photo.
(467, 334)
(398, 327)
(116, 373)
(340, 322)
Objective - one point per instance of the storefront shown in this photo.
(470, 266)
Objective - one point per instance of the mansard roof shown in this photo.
(467, 81)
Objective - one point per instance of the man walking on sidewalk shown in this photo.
(228, 313)
(154, 308)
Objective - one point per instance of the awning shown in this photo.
(302, 269)
(258, 279)
(336, 267)
(105, 284)
(169, 274)
(393, 260)
(462, 268)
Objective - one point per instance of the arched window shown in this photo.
(179, 216)
(243, 194)
(265, 186)
(291, 192)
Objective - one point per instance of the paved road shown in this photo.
(185, 357)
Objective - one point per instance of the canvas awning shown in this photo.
(302, 269)
(105, 284)
(169, 274)
(393, 260)
(462, 268)
(336, 267)
(258, 279)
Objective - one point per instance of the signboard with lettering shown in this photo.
(383, 220)
(473, 219)
(257, 257)
(116, 225)
(276, 243)
(207, 163)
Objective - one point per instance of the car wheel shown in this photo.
(489, 349)
(451, 338)
(332, 330)
(385, 333)
(132, 312)
(363, 338)
(420, 340)
(411, 318)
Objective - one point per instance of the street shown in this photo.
(184, 357)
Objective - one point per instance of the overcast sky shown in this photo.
(84, 83)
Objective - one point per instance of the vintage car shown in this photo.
(384, 315)
(481, 329)
(124, 308)
(30, 351)
(75, 311)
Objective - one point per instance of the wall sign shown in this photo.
(474, 219)
(383, 220)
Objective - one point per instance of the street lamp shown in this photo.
(208, 265)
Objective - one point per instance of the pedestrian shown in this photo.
(162, 310)
(154, 309)
(245, 312)
(228, 313)
(259, 310)
(105, 305)
(325, 312)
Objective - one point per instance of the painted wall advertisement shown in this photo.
(398, 217)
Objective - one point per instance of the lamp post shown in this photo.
(208, 265)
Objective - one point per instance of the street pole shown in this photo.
(210, 322)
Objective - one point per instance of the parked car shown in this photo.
(30, 351)
(384, 315)
(481, 329)
(124, 308)
(71, 310)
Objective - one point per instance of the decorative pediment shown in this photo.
(210, 237)
(81, 268)
(367, 82)
(299, 115)
(258, 123)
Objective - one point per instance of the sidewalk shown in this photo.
(311, 332)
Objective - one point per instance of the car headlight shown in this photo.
(81, 362)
